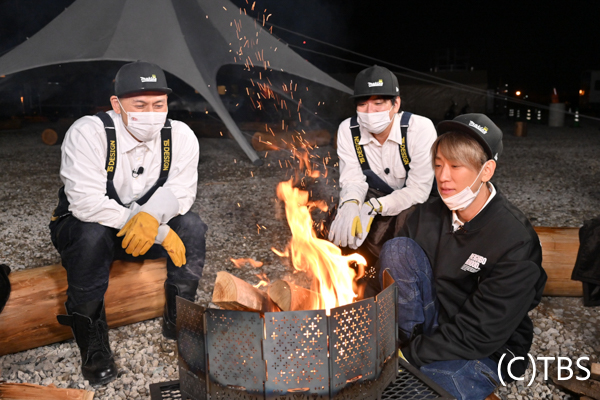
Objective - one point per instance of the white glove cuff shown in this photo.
(163, 205)
(163, 231)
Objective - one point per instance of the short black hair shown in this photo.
(363, 98)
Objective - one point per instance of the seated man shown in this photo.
(385, 165)
(468, 268)
(130, 178)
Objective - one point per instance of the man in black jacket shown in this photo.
(468, 267)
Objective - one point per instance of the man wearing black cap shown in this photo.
(130, 178)
(468, 268)
(385, 164)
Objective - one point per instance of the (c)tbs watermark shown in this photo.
(547, 361)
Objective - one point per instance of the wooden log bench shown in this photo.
(39, 294)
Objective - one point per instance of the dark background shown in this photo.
(532, 46)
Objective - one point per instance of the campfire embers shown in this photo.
(350, 354)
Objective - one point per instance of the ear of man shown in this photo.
(114, 102)
(488, 170)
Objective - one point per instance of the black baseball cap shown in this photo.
(480, 127)
(376, 81)
(140, 76)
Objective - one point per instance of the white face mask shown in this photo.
(464, 198)
(376, 122)
(144, 126)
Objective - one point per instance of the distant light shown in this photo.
(581, 92)
(304, 42)
(518, 92)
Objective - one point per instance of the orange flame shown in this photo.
(240, 262)
(332, 278)
(264, 280)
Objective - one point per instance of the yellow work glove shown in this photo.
(368, 212)
(174, 246)
(140, 232)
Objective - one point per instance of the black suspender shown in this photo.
(403, 146)
(360, 151)
(111, 159)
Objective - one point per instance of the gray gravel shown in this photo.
(552, 175)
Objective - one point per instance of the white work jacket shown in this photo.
(407, 191)
(84, 175)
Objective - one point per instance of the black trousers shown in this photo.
(87, 250)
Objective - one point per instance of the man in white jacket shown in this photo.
(130, 178)
(385, 164)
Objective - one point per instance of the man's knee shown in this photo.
(398, 251)
(405, 259)
(86, 237)
(189, 226)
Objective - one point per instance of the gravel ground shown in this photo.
(552, 175)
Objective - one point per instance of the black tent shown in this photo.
(190, 39)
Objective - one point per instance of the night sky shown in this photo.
(533, 46)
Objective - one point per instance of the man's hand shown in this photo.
(140, 232)
(369, 210)
(174, 246)
(346, 225)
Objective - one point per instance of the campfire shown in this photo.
(288, 341)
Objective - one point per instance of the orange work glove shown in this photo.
(174, 246)
(140, 232)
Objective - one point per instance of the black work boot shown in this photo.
(88, 323)
(181, 288)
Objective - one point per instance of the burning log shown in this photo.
(291, 297)
(27, 391)
(262, 141)
(38, 295)
(232, 293)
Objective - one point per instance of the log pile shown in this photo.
(232, 293)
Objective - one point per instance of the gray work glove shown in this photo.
(346, 226)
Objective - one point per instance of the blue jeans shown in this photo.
(418, 310)
(88, 249)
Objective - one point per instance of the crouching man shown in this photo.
(130, 178)
(468, 267)
(385, 165)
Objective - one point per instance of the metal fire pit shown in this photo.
(410, 384)
(298, 355)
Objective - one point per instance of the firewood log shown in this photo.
(590, 387)
(28, 391)
(135, 293)
(559, 252)
(291, 297)
(233, 293)
(595, 371)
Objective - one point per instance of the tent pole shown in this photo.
(239, 137)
